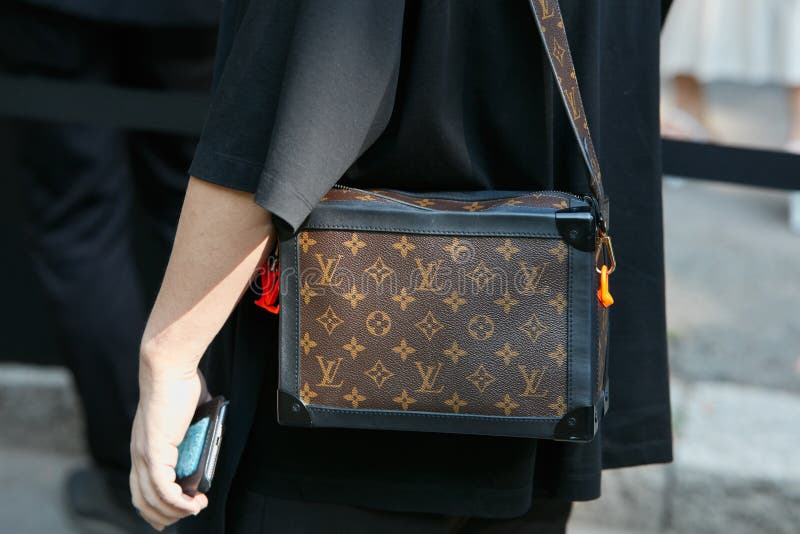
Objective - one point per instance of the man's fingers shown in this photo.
(148, 513)
(153, 497)
(170, 492)
(160, 500)
(157, 478)
(152, 507)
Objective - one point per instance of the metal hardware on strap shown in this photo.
(605, 249)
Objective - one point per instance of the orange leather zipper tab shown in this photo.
(602, 294)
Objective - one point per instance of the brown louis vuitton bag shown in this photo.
(467, 312)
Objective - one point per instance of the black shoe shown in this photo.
(99, 502)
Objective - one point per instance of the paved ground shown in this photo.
(34, 507)
(733, 285)
(32, 497)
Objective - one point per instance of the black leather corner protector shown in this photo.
(577, 227)
(520, 427)
(579, 425)
(291, 411)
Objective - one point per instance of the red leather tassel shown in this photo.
(270, 288)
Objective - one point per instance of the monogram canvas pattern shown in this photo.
(464, 325)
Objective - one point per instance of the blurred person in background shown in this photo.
(83, 179)
(744, 41)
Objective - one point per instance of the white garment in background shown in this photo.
(746, 41)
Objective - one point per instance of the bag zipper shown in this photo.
(390, 199)
(357, 190)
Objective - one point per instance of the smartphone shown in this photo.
(198, 452)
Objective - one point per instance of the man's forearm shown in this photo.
(221, 240)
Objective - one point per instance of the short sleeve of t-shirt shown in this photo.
(302, 89)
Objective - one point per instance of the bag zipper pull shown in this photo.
(602, 294)
(604, 245)
(270, 285)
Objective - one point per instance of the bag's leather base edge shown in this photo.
(579, 425)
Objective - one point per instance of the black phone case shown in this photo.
(200, 480)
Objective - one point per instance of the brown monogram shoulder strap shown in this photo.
(554, 37)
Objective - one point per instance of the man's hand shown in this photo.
(166, 406)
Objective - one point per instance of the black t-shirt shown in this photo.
(436, 96)
(179, 13)
(426, 96)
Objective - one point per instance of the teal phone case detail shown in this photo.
(191, 448)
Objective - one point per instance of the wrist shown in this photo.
(160, 362)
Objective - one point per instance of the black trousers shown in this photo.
(81, 183)
(251, 513)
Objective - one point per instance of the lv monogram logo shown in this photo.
(533, 380)
(428, 275)
(533, 277)
(571, 97)
(428, 374)
(328, 266)
(329, 370)
(547, 9)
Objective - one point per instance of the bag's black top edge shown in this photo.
(357, 216)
